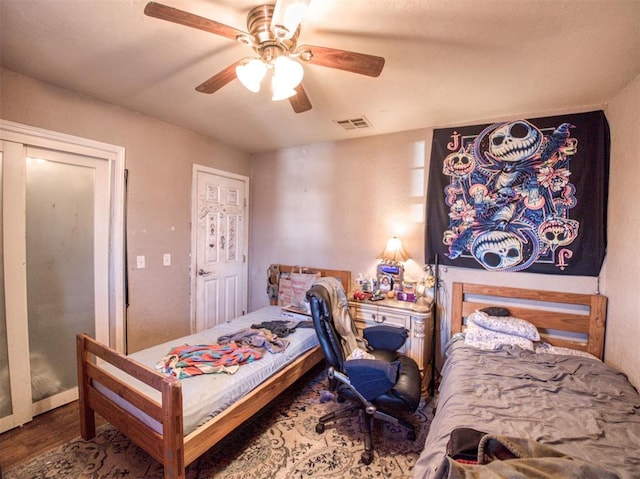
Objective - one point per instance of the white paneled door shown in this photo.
(220, 231)
(57, 249)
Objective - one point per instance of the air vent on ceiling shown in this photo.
(354, 123)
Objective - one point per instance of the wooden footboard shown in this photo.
(170, 447)
(166, 447)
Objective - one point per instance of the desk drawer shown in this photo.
(373, 318)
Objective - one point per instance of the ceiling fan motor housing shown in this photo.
(265, 41)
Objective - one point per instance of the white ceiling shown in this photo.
(447, 62)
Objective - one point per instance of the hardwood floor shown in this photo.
(43, 433)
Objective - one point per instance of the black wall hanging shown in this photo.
(525, 195)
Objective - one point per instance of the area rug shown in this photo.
(279, 442)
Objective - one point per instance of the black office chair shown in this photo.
(379, 387)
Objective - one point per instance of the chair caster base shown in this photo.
(366, 458)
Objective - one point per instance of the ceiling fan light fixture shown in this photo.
(280, 92)
(251, 72)
(272, 32)
(287, 75)
(287, 17)
(289, 72)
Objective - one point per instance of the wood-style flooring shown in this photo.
(44, 432)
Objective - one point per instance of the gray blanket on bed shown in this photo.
(575, 405)
(501, 457)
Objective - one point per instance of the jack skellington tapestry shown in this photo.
(524, 195)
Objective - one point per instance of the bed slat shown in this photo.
(528, 294)
(137, 370)
(580, 346)
(139, 400)
(129, 425)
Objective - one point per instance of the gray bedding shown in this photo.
(575, 405)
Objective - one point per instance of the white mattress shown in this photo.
(205, 396)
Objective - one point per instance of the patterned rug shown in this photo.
(279, 442)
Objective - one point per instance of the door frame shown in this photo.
(194, 221)
(115, 156)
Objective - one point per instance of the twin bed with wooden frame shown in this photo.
(149, 407)
(580, 417)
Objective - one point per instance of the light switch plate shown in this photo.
(140, 262)
(166, 259)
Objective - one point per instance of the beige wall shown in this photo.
(621, 269)
(335, 204)
(332, 205)
(159, 158)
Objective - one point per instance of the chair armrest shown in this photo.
(372, 377)
(390, 338)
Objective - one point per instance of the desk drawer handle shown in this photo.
(380, 319)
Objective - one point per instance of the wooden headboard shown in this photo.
(569, 320)
(276, 269)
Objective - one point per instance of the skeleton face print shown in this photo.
(515, 141)
(497, 250)
(558, 232)
(458, 164)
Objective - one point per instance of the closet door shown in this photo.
(56, 232)
(67, 247)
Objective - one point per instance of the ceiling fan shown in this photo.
(273, 35)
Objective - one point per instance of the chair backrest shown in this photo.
(321, 313)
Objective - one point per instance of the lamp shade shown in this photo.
(287, 74)
(280, 92)
(288, 71)
(251, 72)
(393, 251)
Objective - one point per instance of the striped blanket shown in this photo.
(193, 360)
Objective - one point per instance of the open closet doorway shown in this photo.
(219, 245)
(62, 265)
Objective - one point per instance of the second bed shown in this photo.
(558, 406)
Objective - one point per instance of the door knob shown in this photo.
(202, 272)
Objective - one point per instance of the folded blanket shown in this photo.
(186, 361)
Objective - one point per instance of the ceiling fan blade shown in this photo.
(300, 101)
(219, 80)
(164, 12)
(361, 63)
